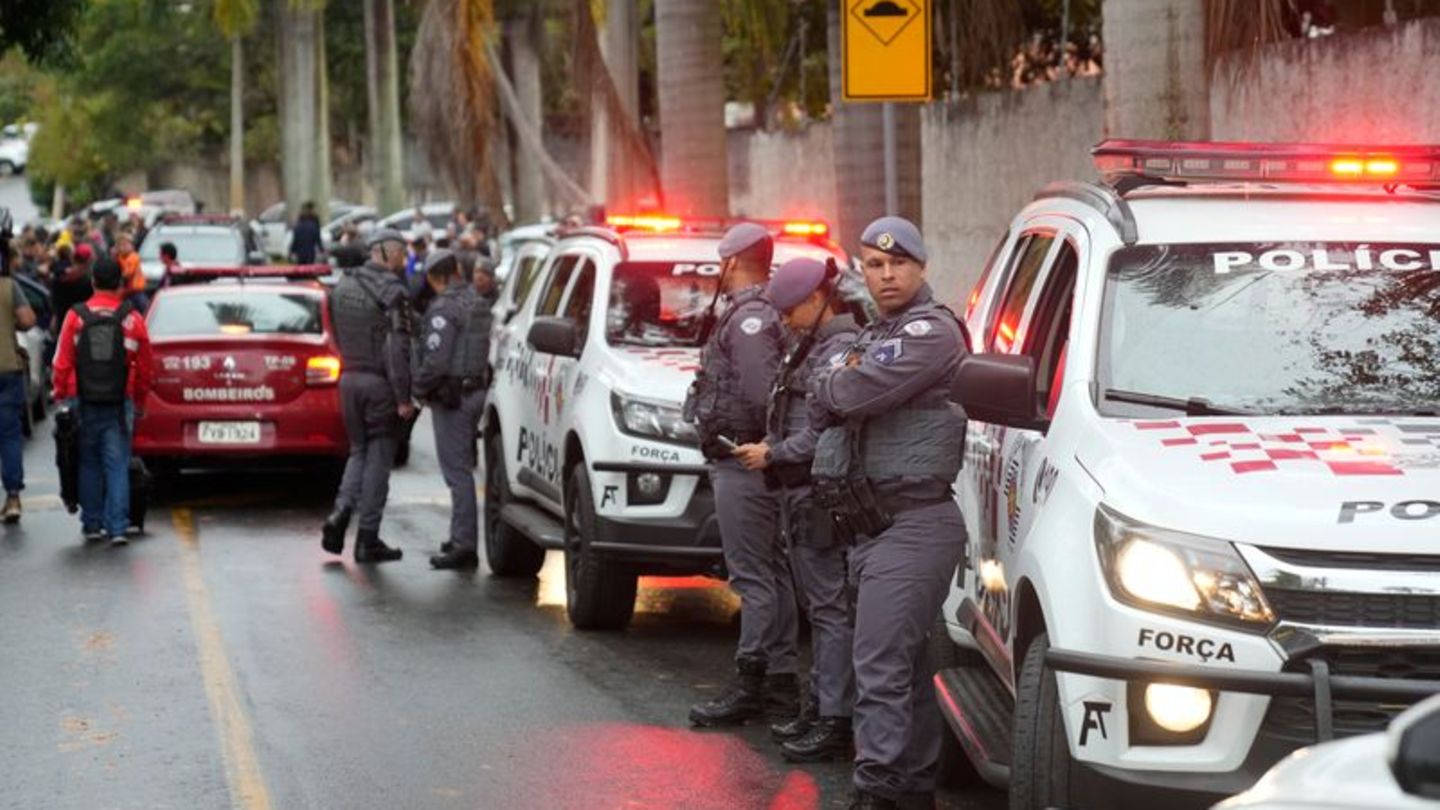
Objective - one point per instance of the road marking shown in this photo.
(237, 747)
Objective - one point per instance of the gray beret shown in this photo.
(380, 235)
(896, 236)
(741, 238)
(794, 282)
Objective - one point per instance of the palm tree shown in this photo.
(691, 77)
(235, 19)
(304, 129)
(383, 86)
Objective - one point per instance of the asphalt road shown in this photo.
(225, 661)
(15, 195)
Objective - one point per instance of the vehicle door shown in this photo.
(274, 233)
(514, 295)
(537, 455)
(1026, 311)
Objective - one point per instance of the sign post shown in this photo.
(886, 46)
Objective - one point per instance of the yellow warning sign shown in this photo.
(887, 50)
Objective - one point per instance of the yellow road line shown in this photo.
(232, 725)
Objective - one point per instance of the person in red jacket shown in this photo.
(103, 369)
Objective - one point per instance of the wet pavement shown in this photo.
(225, 661)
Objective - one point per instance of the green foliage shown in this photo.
(41, 28)
(776, 52)
(17, 86)
(66, 152)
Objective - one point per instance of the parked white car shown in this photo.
(1202, 479)
(14, 156)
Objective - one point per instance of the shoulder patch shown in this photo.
(433, 342)
(918, 328)
(887, 351)
(751, 325)
(438, 322)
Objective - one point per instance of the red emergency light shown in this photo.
(809, 229)
(665, 223)
(658, 223)
(291, 272)
(1190, 162)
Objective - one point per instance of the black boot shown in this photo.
(830, 738)
(332, 536)
(370, 549)
(865, 800)
(796, 727)
(454, 558)
(744, 701)
(782, 695)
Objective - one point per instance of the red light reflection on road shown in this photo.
(615, 765)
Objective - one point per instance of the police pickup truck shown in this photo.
(585, 449)
(1202, 478)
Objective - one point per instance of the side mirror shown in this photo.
(999, 389)
(555, 336)
(1415, 749)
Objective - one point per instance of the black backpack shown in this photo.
(101, 367)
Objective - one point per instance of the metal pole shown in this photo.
(892, 191)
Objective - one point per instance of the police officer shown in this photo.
(372, 320)
(452, 379)
(804, 292)
(728, 403)
(887, 470)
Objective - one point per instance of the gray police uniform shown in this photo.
(371, 316)
(738, 367)
(452, 379)
(901, 433)
(817, 555)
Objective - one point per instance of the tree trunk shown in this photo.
(612, 160)
(298, 104)
(237, 126)
(383, 86)
(321, 182)
(859, 155)
(694, 164)
(523, 36)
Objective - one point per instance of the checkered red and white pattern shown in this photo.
(683, 360)
(1369, 447)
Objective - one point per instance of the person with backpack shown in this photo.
(103, 371)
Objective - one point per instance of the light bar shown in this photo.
(806, 229)
(664, 223)
(185, 273)
(644, 222)
(1190, 162)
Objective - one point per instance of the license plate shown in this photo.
(229, 432)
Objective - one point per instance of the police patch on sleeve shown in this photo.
(751, 325)
(887, 351)
(918, 328)
(433, 342)
(437, 322)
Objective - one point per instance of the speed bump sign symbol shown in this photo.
(887, 50)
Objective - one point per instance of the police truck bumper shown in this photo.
(686, 543)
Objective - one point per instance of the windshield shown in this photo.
(237, 312)
(216, 247)
(1283, 327)
(659, 303)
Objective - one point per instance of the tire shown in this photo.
(1043, 772)
(599, 595)
(7, 168)
(953, 769)
(509, 553)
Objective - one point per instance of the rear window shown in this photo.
(197, 248)
(237, 312)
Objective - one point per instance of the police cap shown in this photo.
(379, 236)
(741, 238)
(896, 236)
(795, 281)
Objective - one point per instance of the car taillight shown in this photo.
(322, 370)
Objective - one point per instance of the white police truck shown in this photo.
(585, 449)
(1202, 478)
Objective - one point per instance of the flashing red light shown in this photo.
(974, 299)
(134, 203)
(1008, 332)
(1267, 162)
(644, 222)
(807, 229)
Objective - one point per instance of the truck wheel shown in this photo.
(509, 553)
(599, 595)
(1041, 775)
(953, 769)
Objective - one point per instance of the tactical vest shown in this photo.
(788, 415)
(360, 320)
(9, 349)
(716, 405)
(924, 439)
(472, 353)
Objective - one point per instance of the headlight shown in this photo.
(1172, 572)
(652, 420)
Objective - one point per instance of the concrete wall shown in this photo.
(1375, 87)
(777, 175)
(986, 156)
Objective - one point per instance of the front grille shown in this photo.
(1294, 718)
(1340, 609)
(1365, 560)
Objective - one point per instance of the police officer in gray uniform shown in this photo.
(452, 379)
(371, 315)
(887, 471)
(804, 290)
(728, 403)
